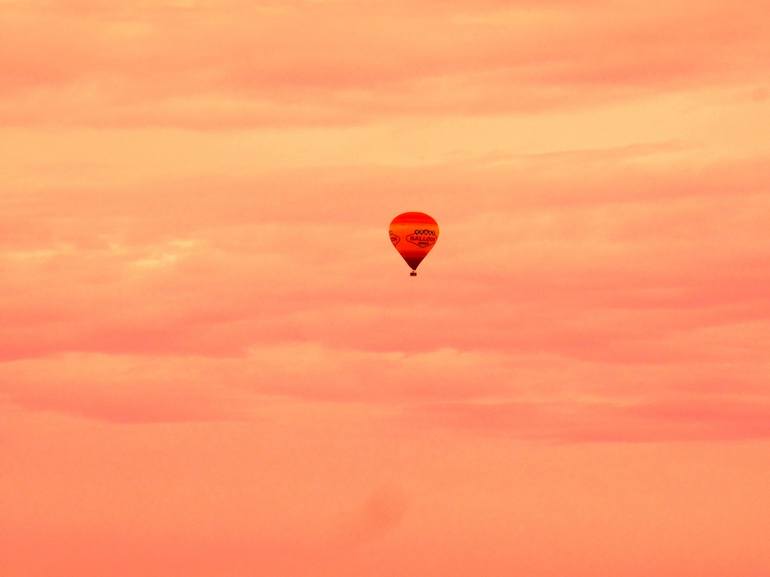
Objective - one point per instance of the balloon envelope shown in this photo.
(413, 234)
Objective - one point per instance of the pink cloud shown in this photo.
(683, 419)
(166, 66)
(582, 283)
(619, 276)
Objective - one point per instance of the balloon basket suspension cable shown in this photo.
(413, 273)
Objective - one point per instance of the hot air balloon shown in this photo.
(413, 234)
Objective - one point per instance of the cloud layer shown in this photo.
(213, 363)
(229, 65)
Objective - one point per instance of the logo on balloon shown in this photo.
(394, 238)
(422, 238)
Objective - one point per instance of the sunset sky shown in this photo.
(213, 363)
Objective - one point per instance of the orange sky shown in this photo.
(214, 364)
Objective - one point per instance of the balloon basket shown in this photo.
(413, 273)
